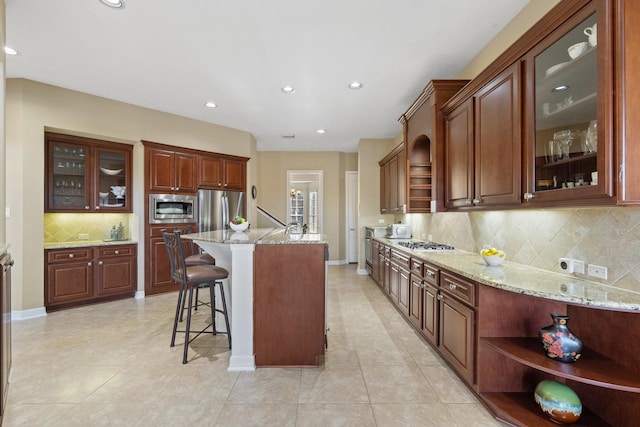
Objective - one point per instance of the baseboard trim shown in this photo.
(28, 314)
(139, 295)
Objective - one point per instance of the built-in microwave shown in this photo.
(172, 209)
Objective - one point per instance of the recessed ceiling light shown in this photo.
(355, 85)
(210, 104)
(10, 51)
(113, 3)
(560, 88)
(321, 131)
(288, 135)
(288, 89)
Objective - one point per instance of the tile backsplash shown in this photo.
(64, 227)
(608, 237)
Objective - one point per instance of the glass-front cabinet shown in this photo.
(569, 132)
(84, 175)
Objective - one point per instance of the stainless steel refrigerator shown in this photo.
(216, 208)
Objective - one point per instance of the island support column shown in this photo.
(242, 354)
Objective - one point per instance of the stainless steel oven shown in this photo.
(172, 209)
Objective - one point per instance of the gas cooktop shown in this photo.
(420, 246)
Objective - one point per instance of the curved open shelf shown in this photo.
(592, 368)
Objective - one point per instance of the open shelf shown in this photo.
(521, 409)
(592, 368)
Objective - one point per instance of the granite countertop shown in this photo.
(83, 243)
(528, 280)
(259, 236)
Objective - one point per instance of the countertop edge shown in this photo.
(87, 243)
(527, 280)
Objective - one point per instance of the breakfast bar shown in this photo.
(277, 316)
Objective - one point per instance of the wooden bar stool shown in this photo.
(193, 256)
(190, 278)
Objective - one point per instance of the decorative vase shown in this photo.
(558, 401)
(559, 342)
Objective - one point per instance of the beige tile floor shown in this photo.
(111, 365)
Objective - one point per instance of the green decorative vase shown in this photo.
(558, 401)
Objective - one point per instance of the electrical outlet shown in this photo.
(381, 221)
(566, 265)
(429, 238)
(83, 236)
(597, 271)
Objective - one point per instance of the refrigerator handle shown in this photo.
(225, 212)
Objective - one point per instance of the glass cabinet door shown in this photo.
(570, 91)
(68, 181)
(111, 182)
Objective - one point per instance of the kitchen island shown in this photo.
(277, 288)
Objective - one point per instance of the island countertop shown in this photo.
(259, 236)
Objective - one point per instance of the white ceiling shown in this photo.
(173, 56)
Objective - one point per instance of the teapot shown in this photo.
(592, 33)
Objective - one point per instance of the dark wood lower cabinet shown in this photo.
(80, 276)
(488, 336)
(457, 339)
(158, 272)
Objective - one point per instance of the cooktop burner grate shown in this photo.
(426, 246)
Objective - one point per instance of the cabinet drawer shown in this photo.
(401, 260)
(430, 274)
(416, 267)
(116, 251)
(69, 255)
(459, 288)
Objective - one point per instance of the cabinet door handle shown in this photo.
(70, 255)
(100, 262)
(529, 196)
(452, 286)
(117, 252)
(439, 297)
(89, 263)
(86, 207)
(431, 274)
(476, 201)
(97, 207)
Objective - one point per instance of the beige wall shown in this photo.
(3, 175)
(273, 191)
(33, 107)
(529, 15)
(370, 152)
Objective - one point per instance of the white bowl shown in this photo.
(111, 171)
(239, 227)
(494, 260)
(103, 195)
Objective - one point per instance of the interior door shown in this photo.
(352, 216)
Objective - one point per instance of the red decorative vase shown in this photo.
(559, 342)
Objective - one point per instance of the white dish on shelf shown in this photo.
(113, 205)
(111, 171)
(103, 195)
(555, 68)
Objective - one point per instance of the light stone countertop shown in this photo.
(528, 280)
(84, 243)
(260, 236)
(4, 248)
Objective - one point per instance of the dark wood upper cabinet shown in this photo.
(171, 171)
(87, 175)
(392, 181)
(498, 141)
(219, 172)
(569, 132)
(551, 129)
(423, 129)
